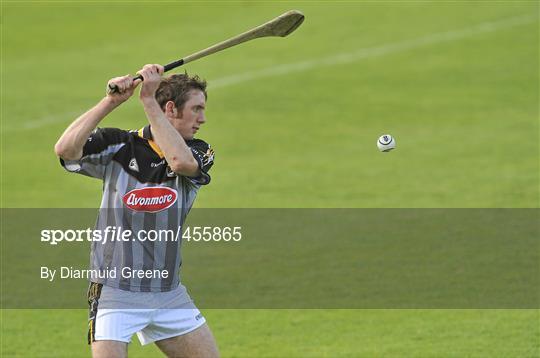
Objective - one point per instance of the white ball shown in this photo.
(386, 143)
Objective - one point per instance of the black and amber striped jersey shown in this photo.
(141, 197)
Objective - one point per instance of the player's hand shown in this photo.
(124, 88)
(152, 78)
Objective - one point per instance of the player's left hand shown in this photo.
(152, 78)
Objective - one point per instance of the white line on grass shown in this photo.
(345, 58)
(342, 58)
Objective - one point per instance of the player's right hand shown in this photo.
(124, 88)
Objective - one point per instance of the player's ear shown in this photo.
(170, 109)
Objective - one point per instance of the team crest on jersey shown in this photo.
(151, 199)
(208, 156)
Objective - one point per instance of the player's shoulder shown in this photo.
(200, 146)
(112, 134)
(195, 142)
(111, 130)
(202, 151)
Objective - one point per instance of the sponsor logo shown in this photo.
(133, 165)
(154, 165)
(151, 199)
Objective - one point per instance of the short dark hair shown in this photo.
(176, 88)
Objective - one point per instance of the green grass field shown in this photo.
(294, 124)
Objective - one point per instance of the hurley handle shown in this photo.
(112, 88)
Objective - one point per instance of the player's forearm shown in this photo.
(71, 143)
(174, 147)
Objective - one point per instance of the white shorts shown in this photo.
(117, 314)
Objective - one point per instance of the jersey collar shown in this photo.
(146, 133)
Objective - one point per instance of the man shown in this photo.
(150, 180)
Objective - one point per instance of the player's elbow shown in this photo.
(60, 149)
(184, 167)
(64, 152)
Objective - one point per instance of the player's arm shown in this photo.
(177, 153)
(71, 143)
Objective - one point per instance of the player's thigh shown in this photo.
(197, 343)
(109, 349)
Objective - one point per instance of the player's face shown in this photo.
(188, 121)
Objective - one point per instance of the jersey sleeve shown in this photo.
(204, 154)
(98, 152)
